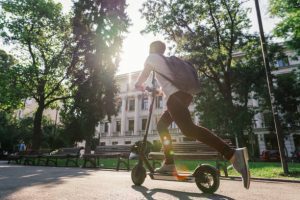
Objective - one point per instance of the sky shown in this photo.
(135, 45)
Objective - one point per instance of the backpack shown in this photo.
(184, 75)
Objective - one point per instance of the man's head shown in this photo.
(157, 47)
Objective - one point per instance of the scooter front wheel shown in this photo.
(138, 174)
(207, 178)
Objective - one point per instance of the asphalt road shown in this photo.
(45, 183)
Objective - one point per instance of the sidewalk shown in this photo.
(19, 182)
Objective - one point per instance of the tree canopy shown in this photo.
(98, 28)
(210, 34)
(41, 34)
(12, 93)
(289, 26)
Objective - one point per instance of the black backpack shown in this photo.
(184, 75)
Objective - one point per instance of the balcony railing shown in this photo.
(115, 134)
(175, 131)
(103, 134)
(128, 133)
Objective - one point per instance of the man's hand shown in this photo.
(139, 87)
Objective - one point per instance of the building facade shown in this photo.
(129, 125)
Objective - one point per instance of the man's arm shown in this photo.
(143, 76)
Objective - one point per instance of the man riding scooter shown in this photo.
(178, 101)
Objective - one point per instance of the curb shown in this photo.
(235, 178)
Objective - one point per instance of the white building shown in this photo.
(130, 123)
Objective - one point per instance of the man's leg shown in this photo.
(180, 114)
(178, 108)
(165, 137)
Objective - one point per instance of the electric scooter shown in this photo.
(205, 176)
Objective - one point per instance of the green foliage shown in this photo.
(98, 28)
(289, 27)
(13, 130)
(213, 36)
(41, 33)
(287, 94)
(11, 91)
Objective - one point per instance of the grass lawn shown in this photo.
(258, 169)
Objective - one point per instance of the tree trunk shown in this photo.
(90, 131)
(88, 144)
(37, 128)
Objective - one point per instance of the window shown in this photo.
(173, 125)
(268, 120)
(114, 143)
(118, 126)
(283, 62)
(119, 105)
(158, 102)
(127, 142)
(106, 127)
(144, 124)
(102, 143)
(130, 125)
(131, 104)
(144, 103)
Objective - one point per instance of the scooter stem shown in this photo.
(144, 144)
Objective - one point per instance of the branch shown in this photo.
(231, 33)
(185, 24)
(215, 24)
(31, 51)
(56, 99)
(47, 68)
(58, 57)
(207, 75)
(55, 87)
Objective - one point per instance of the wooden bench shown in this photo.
(120, 152)
(33, 156)
(192, 151)
(69, 154)
(17, 157)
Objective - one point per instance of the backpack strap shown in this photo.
(164, 76)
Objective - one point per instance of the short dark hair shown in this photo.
(157, 47)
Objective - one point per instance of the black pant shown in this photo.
(177, 110)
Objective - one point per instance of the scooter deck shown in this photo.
(184, 177)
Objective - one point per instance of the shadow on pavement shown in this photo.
(15, 177)
(148, 193)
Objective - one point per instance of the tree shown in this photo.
(289, 27)
(213, 36)
(287, 94)
(41, 33)
(208, 33)
(11, 91)
(98, 27)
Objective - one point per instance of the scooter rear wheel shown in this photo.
(138, 175)
(207, 179)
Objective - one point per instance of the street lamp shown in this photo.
(278, 128)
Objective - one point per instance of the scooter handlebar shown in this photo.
(149, 89)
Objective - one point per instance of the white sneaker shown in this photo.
(239, 162)
(166, 169)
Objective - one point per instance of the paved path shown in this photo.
(45, 183)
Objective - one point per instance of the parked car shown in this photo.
(270, 156)
(296, 156)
